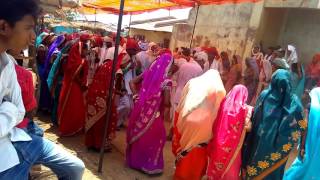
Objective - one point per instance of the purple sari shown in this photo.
(45, 97)
(146, 135)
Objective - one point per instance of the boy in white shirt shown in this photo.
(20, 151)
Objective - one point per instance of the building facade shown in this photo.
(236, 28)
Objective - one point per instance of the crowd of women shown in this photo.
(228, 121)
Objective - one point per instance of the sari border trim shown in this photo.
(152, 172)
(133, 139)
(239, 147)
(271, 169)
(69, 91)
(91, 121)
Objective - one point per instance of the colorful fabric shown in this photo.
(293, 57)
(146, 134)
(72, 109)
(40, 38)
(308, 167)
(280, 63)
(55, 79)
(27, 91)
(96, 100)
(224, 149)
(276, 125)
(298, 83)
(187, 71)
(194, 117)
(45, 98)
(201, 95)
(192, 166)
(234, 77)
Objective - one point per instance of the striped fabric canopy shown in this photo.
(140, 6)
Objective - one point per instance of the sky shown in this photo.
(113, 19)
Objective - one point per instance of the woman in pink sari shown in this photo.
(146, 134)
(224, 149)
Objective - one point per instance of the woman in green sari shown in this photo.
(277, 126)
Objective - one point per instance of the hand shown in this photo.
(248, 125)
(135, 97)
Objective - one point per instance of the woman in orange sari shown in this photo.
(228, 131)
(194, 117)
(72, 109)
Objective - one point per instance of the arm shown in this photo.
(167, 105)
(133, 83)
(11, 109)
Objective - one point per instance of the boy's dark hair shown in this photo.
(13, 11)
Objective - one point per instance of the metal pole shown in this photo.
(129, 25)
(95, 19)
(194, 27)
(109, 109)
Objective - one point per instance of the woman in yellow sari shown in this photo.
(193, 121)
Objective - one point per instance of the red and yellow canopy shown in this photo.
(140, 6)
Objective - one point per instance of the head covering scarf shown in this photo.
(110, 53)
(293, 58)
(143, 46)
(40, 38)
(132, 44)
(197, 110)
(107, 39)
(147, 108)
(311, 70)
(308, 167)
(281, 63)
(234, 77)
(228, 135)
(98, 41)
(277, 122)
(59, 40)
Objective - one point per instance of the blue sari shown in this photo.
(276, 126)
(308, 168)
(298, 83)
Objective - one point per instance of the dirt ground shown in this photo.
(114, 167)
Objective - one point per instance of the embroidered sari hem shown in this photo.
(271, 169)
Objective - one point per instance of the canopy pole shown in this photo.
(129, 25)
(95, 19)
(109, 109)
(194, 26)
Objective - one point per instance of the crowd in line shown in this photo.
(227, 121)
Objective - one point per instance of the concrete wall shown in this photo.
(271, 26)
(292, 3)
(235, 28)
(228, 27)
(153, 36)
(302, 29)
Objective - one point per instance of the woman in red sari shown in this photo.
(97, 99)
(229, 129)
(72, 109)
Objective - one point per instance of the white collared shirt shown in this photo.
(11, 113)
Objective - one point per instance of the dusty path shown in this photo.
(113, 168)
